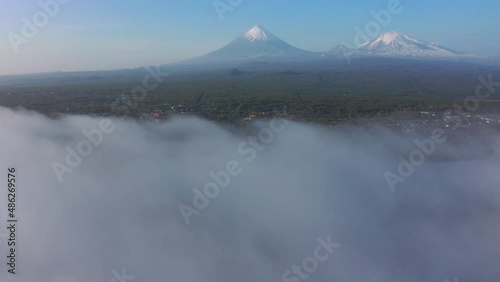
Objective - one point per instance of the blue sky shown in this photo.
(108, 34)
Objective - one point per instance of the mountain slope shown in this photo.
(258, 45)
(343, 51)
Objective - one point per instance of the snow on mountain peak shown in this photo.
(258, 33)
(258, 44)
(389, 37)
(399, 44)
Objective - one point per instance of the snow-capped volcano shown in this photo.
(258, 33)
(257, 44)
(260, 45)
(396, 44)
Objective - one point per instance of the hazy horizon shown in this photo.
(85, 36)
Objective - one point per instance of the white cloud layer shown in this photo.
(120, 207)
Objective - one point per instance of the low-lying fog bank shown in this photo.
(187, 200)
